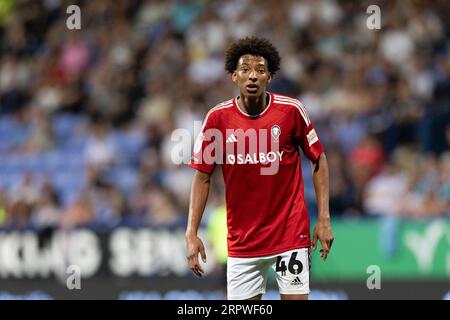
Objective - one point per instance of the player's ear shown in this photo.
(269, 78)
(234, 76)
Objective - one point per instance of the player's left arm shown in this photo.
(308, 140)
(322, 230)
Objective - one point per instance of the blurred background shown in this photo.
(86, 118)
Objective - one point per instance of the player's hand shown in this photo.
(322, 231)
(194, 246)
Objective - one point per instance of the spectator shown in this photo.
(47, 212)
(100, 149)
(79, 213)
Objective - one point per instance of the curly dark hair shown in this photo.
(255, 46)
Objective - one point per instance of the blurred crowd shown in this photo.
(86, 116)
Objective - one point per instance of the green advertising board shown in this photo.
(398, 249)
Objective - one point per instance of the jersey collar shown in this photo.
(256, 115)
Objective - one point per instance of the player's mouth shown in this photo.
(252, 88)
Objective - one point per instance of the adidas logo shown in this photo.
(296, 282)
(231, 138)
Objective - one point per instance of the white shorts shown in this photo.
(247, 277)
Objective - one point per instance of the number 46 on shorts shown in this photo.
(292, 271)
(295, 266)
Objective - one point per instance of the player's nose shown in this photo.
(252, 75)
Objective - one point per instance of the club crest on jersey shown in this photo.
(275, 131)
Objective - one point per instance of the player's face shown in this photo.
(252, 75)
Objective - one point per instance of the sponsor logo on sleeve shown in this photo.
(312, 137)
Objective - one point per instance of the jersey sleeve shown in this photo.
(203, 154)
(306, 136)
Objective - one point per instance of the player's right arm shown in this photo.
(194, 245)
(203, 160)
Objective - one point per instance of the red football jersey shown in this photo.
(260, 158)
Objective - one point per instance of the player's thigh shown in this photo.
(292, 273)
(246, 278)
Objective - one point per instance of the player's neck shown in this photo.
(253, 106)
